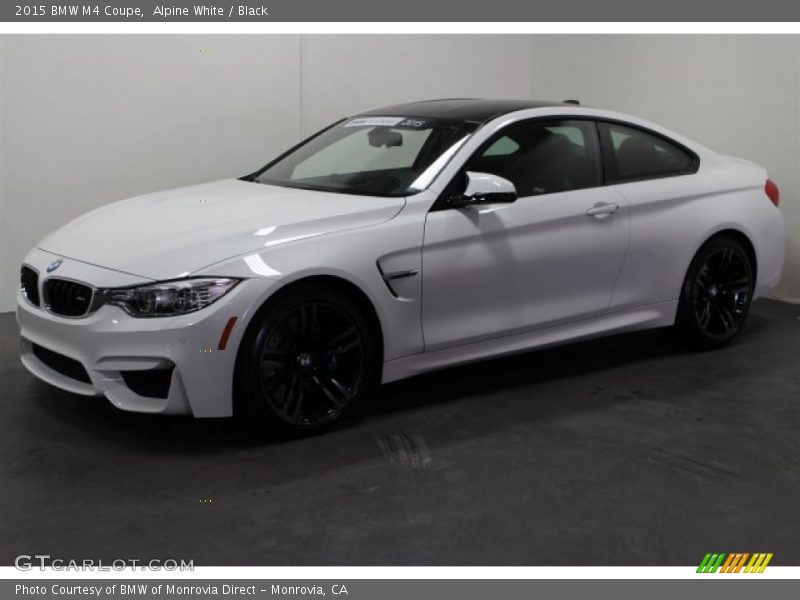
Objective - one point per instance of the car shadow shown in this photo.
(526, 371)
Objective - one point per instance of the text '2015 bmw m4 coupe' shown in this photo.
(394, 242)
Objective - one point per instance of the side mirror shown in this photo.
(485, 188)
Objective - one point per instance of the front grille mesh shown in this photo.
(67, 298)
(29, 282)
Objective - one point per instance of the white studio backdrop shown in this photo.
(89, 119)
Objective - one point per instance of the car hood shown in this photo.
(174, 233)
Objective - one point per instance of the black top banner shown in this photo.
(403, 11)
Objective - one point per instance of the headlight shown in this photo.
(170, 298)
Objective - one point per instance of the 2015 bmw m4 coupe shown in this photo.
(394, 242)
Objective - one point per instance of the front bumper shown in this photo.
(114, 348)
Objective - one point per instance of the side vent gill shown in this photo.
(388, 278)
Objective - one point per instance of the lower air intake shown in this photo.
(150, 383)
(65, 365)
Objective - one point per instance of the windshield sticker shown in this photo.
(413, 123)
(374, 122)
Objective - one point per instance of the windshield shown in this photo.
(375, 156)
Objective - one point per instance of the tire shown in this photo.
(716, 294)
(306, 364)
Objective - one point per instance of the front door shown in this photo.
(550, 257)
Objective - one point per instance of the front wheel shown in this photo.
(306, 364)
(716, 294)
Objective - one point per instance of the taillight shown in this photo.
(772, 191)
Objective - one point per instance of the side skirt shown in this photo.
(645, 317)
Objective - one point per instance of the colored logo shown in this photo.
(54, 265)
(734, 562)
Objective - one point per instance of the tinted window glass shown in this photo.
(378, 156)
(354, 153)
(505, 145)
(543, 157)
(636, 154)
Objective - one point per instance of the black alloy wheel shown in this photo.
(309, 362)
(716, 294)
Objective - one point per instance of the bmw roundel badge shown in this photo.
(54, 265)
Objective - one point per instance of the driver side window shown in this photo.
(543, 157)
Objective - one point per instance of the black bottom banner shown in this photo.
(406, 589)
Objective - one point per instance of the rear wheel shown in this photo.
(306, 364)
(716, 294)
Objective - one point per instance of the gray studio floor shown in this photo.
(612, 452)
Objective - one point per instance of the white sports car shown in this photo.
(394, 242)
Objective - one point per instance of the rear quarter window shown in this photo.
(633, 154)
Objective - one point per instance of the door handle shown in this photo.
(603, 209)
